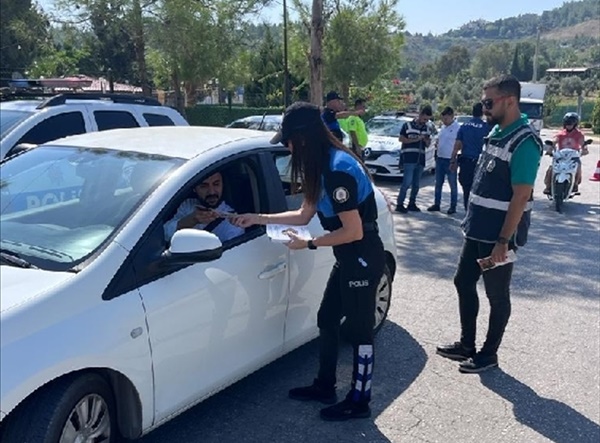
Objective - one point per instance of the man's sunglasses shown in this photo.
(488, 103)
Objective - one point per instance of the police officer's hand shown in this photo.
(245, 220)
(296, 242)
(204, 215)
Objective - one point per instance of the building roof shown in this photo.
(567, 70)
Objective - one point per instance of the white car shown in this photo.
(107, 328)
(36, 121)
(382, 153)
(258, 122)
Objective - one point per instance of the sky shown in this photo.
(435, 16)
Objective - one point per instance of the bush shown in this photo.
(586, 125)
(596, 117)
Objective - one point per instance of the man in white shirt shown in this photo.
(205, 212)
(445, 146)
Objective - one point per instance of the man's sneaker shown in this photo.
(413, 208)
(478, 363)
(314, 392)
(455, 351)
(401, 209)
(433, 208)
(451, 211)
(345, 410)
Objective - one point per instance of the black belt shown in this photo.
(370, 227)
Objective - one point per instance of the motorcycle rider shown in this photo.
(569, 137)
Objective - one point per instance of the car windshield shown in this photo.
(532, 110)
(463, 119)
(385, 127)
(10, 118)
(58, 205)
(270, 123)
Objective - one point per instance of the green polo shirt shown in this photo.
(525, 160)
(356, 124)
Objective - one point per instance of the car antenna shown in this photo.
(262, 121)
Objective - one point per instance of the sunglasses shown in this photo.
(488, 103)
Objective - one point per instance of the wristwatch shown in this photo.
(311, 245)
(502, 240)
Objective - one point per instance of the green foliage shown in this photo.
(492, 60)
(267, 74)
(555, 118)
(572, 86)
(216, 115)
(522, 64)
(596, 117)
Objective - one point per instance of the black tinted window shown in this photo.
(114, 119)
(54, 127)
(158, 120)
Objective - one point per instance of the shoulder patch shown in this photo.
(341, 195)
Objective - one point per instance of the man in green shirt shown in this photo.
(497, 221)
(355, 127)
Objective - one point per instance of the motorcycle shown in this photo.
(564, 169)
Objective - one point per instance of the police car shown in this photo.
(109, 329)
(382, 153)
(27, 123)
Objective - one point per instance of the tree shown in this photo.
(572, 85)
(455, 60)
(23, 35)
(316, 50)
(362, 43)
(596, 117)
(266, 70)
(522, 64)
(492, 60)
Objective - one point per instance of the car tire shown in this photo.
(54, 413)
(382, 306)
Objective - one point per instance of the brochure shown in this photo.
(486, 263)
(279, 232)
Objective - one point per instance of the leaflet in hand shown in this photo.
(486, 263)
(280, 232)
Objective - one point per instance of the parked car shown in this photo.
(106, 327)
(382, 153)
(258, 122)
(35, 121)
(461, 119)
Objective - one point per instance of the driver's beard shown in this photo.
(208, 205)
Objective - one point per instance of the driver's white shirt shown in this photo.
(224, 230)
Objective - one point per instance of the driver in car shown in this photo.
(207, 211)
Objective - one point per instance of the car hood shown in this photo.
(17, 285)
(382, 143)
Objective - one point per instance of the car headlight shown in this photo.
(395, 153)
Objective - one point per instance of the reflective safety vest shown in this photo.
(492, 189)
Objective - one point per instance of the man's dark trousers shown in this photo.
(497, 288)
(466, 175)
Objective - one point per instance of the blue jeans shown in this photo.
(412, 178)
(442, 170)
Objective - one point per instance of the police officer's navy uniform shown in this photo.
(488, 206)
(471, 134)
(351, 289)
(332, 123)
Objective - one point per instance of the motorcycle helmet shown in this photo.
(571, 118)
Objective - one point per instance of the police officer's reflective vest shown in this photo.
(492, 189)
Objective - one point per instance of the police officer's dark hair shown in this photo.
(506, 85)
(359, 101)
(310, 154)
(426, 110)
(477, 110)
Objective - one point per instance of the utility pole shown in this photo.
(536, 56)
(286, 72)
(316, 51)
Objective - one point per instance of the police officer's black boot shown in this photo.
(315, 392)
(356, 403)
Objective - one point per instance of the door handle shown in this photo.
(272, 271)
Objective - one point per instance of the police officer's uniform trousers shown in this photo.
(352, 286)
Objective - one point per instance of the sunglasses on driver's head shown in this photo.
(488, 103)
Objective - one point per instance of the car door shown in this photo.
(212, 323)
(309, 269)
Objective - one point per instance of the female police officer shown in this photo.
(338, 188)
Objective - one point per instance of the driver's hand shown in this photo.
(205, 216)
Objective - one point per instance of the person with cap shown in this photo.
(334, 106)
(469, 142)
(445, 147)
(338, 188)
(415, 137)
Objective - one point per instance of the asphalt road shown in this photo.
(546, 389)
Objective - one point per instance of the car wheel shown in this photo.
(382, 304)
(78, 409)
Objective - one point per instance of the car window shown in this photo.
(55, 127)
(230, 188)
(385, 127)
(158, 120)
(58, 205)
(9, 119)
(293, 193)
(114, 120)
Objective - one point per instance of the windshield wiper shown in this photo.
(15, 260)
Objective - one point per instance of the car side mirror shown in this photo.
(589, 141)
(189, 246)
(548, 143)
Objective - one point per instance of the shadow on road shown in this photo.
(257, 409)
(554, 420)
